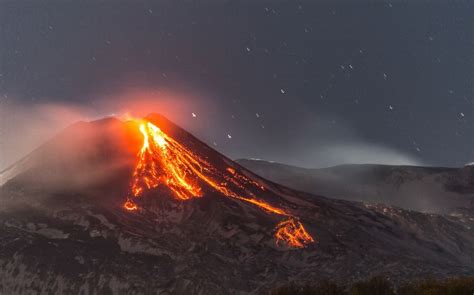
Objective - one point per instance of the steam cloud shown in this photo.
(355, 153)
(23, 127)
(309, 142)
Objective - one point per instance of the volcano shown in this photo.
(142, 206)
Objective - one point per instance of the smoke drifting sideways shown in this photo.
(359, 152)
(300, 136)
(308, 141)
(25, 127)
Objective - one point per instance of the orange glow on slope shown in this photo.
(159, 164)
(293, 233)
(130, 206)
(164, 161)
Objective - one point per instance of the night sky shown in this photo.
(310, 83)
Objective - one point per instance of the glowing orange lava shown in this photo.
(130, 206)
(293, 233)
(164, 161)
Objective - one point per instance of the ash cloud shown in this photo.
(327, 154)
(26, 126)
(310, 140)
(357, 153)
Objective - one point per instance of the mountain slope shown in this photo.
(64, 228)
(426, 189)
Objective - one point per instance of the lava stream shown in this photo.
(293, 233)
(164, 161)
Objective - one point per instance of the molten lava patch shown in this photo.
(164, 161)
(292, 233)
(130, 205)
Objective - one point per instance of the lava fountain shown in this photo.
(164, 161)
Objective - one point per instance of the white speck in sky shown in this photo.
(282, 91)
(194, 115)
(229, 136)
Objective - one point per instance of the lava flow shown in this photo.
(164, 161)
(293, 233)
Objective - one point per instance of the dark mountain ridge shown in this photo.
(426, 189)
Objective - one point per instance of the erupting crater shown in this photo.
(164, 161)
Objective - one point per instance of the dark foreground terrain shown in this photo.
(382, 286)
(63, 228)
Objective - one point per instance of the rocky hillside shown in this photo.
(64, 229)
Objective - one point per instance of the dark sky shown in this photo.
(311, 83)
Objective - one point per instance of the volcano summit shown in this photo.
(143, 206)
